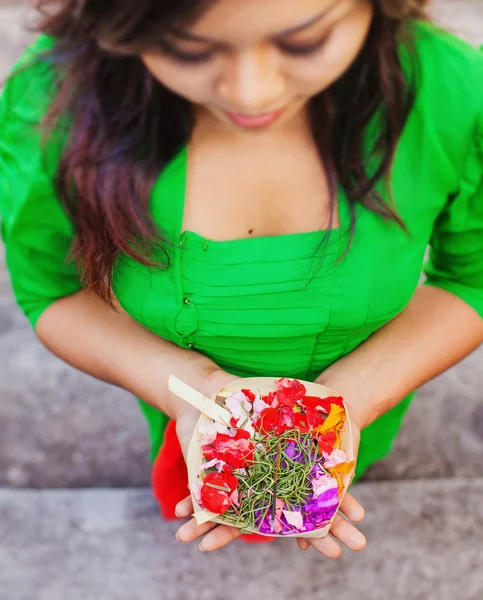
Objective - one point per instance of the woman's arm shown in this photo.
(110, 345)
(434, 332)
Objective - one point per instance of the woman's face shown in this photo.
(254, 64)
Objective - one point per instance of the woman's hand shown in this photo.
(341, 530)
(186, 420)
(218, 536)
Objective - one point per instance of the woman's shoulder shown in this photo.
(449, 104)
(30, 86)
(451, 69)
(27, 159)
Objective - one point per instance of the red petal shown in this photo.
(338, 400)
(269, 415)
(250, 395)
(323, 403)
(325, 447)
(313, 418)
(269, 419)
(329, 437)
(271, 400)
(215, 500)
(208, 452)
(290, 390)
(231, 480)
(300, 421)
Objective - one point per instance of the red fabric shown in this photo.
(170, 480)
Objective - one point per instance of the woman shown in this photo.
(220, 189)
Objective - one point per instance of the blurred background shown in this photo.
(77, 520)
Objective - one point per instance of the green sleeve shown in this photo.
(35, 229)
(456, 248)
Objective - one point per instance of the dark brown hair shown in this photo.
(125, 126)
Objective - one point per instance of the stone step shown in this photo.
(425, 542)
(60, 428)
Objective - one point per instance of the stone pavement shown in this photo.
(425, 536)
(110, 545)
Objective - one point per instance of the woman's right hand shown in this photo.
(188, 416)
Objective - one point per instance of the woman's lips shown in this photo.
(255, 122)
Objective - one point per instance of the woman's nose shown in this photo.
(252, 82)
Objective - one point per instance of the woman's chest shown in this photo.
(287, 291)
(248, 191)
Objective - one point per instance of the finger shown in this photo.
(352, 509)
(346, 533)
(184, 508)
(190, 531)
(327, 546)
(303, 544)
(219, 537)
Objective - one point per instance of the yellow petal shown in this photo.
(336, 476)
(345, 467)
(333, 419)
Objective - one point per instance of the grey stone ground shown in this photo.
(425, 536)
(110, 545)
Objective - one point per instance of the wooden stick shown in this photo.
(199, 401)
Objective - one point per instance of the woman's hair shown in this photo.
(124, 126)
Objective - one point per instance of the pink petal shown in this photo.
(336, 457)
(279, 504)
(234, 497)
(323, 482)
(219, 464)
(195, 487)
(294, 518)
(208, 429)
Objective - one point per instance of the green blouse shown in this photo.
(272, 306)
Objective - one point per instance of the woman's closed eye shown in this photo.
(186, 57)
(303, 49)
(295, 50)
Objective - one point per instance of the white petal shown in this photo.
(259, 405)
(238, 405)
(294, 518)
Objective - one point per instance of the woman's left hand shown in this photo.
(342, 530)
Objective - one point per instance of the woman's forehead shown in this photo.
(247, 20)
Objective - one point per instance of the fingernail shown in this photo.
(201, 549)
(176, 536)
(177, 513)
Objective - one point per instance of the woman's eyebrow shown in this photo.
(287, 32)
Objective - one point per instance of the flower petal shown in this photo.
(259, 405)
(336, 457)
(322, 483)
(219, 464)
(238, 404)
(294, 518)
